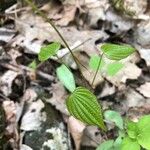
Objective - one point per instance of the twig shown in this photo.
(17, 68)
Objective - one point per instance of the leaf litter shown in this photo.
(78, 21)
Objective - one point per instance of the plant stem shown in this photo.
(99, 63)
(34, 7)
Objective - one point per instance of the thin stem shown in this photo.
(41, 63)
(99, 63)
(34, 7)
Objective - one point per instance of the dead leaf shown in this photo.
(120, 78)
(142, 34)
(6, 82)
(76, 129)
(134, 99)
(144, 53)
(25, 147)
(6, 34)
(58, 98)
(145, 89)
(92, 137)
(33, 114)
(11, 129)
(68, 15)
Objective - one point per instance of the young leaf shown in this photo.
(47, 51)
(114, 117)
(83, 105)
(114, 68)
(117, 52)
(130, 144)
(94, 62)
(33, 65)
(132, 129)
(107, 145)
(66, 77)
(144, 132)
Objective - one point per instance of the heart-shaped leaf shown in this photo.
(66, 77)
(83, 105)
(47, 51)
(117, 52)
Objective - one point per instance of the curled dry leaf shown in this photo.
(76, 128)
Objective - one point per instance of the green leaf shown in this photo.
(114, 68)
(83, 105)
(66, 77)
(132, 129)
(117, 52)
(114, 117)
(144, 132)
(47, 51)
(117, 143)
(107, 145)
(130, 144)
(94, 62)
(33, 65)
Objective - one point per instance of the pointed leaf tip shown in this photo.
(83, 105)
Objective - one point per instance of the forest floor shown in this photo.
(33, 112)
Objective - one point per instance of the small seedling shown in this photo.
(134, 136)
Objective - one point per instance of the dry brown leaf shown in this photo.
(58, 98)
(144, 53)
(33, 114)
(11, 129)
(120, 78)
(92, 136)
(6, 34)
(25, 147)
(142, 34)
(68, 15)
(145, 89)
(6, 82)
(134, 99)
(76, 128)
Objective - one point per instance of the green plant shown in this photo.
(134, 136)
(83, 104)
